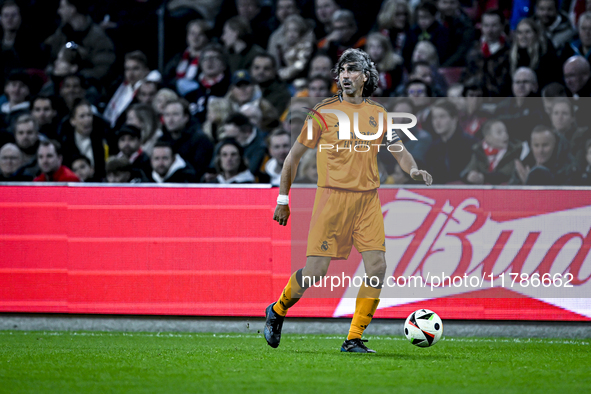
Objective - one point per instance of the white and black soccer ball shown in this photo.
(423, 328)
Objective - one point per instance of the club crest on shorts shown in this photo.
(324, 246)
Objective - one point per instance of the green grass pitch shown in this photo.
(115, 362)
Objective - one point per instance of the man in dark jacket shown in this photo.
(450, 152)
(186, 139)
(78, 27)
(170, 167)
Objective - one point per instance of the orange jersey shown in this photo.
(349, 164)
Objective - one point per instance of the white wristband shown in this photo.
(282, 199)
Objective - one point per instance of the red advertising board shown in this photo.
(216, 251)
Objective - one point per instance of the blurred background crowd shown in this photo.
(199, 91)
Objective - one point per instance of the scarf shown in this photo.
(490, 49)
(493, 155)
(187, 67)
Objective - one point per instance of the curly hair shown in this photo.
(363, 61)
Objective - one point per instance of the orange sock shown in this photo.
(365, 307)
(290, 295)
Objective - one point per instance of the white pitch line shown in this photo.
(291, 336)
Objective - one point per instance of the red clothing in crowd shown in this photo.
(63, 174)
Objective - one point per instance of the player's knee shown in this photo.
(377, 270)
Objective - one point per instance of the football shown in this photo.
(423, 328)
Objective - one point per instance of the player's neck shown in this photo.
(355, 99)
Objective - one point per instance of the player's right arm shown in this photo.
(288, 174)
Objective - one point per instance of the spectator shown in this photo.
(26, 136)
(218, 111)
(319, 86)
(307, 170)
(249, 138)
(253, 113)
(450, 151)
(144, 118)
(214, 80)
(522, 111)
(71, 88)
(531, 49)
(283, 9)
(147, 91)
(577, 73)
(49, 157)
(78, 27)
(44, 112)
(185, 139)
(237, 39)
(69, 61)
(169, 167)
(243, 91)
(230, 164)
(119, 170)
(461, 32)
(344, 35)
(17, 90)
(83, 133)
(321, 64)
(495, 49)
(279, 146)
(556, 25)
(580, 45)
(163, 96)
(394, 23)
(129, 138)
(472, 115)
(389, 65)
(493, 159)
(427, 27)
(264, 72)
(11, 159)
(562, 117)
(548, 163)
(19, 49)
(551, 91)
(136, 72)
(259, 17)
(185, 65)
(84, 169)
(183, 14)
(422, 71)
(417, 148)
(324, 10)
(419, 94)
(582, 175)
(425, 66)
(293, 52)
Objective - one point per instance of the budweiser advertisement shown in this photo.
(467, 253)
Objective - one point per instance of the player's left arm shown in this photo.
(409, 165)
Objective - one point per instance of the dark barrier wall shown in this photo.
(216, 251)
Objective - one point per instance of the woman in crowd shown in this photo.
(294, 51)
(532, 49)
(230, 165)
(144, 118)
(394, 23)
(83, 133)
(389, 64)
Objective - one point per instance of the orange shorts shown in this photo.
(344, 218)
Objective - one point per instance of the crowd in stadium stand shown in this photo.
(499, 87)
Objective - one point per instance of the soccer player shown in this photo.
(347, 210)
